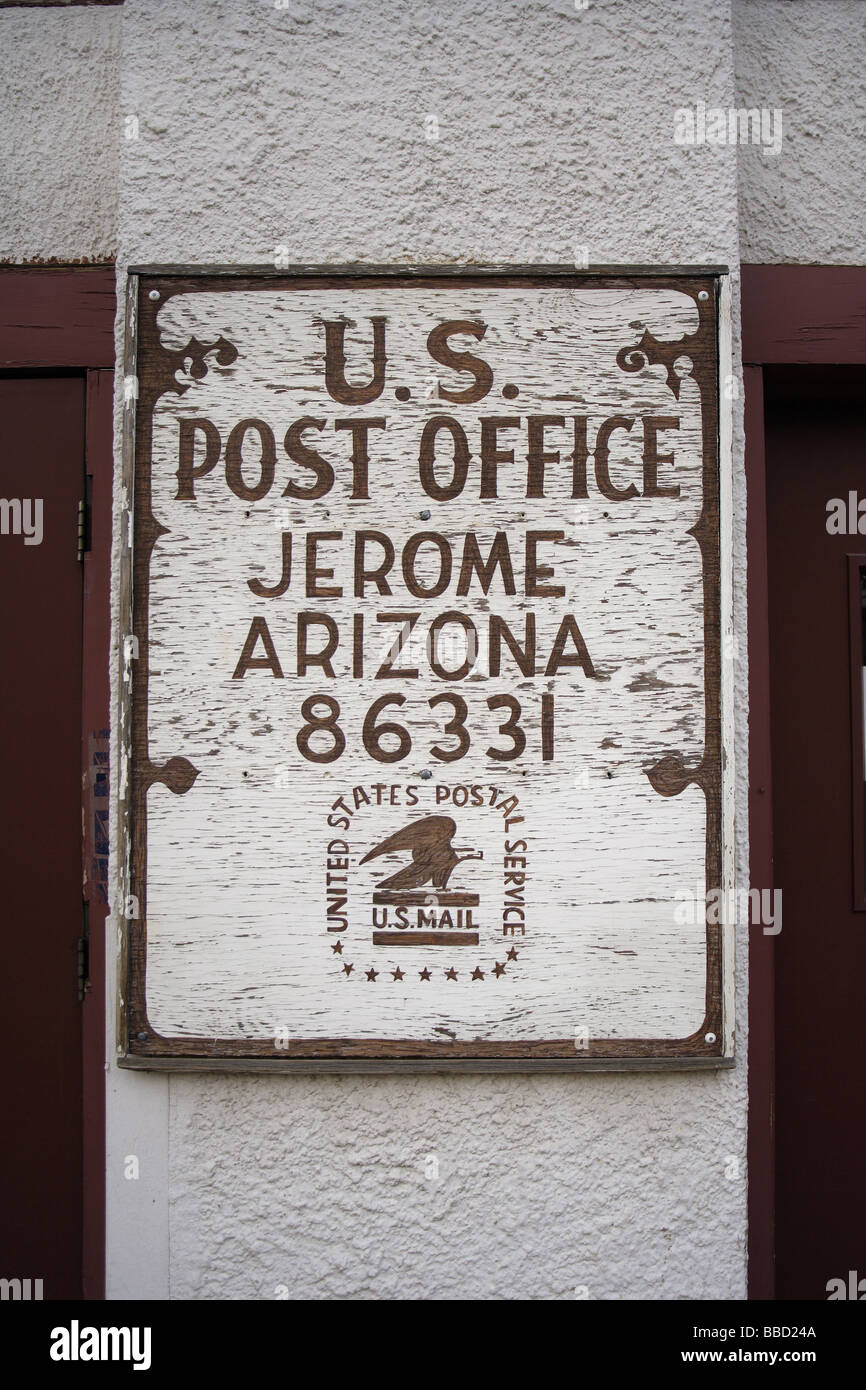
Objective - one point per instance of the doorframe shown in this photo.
(60, 319)
(814, 316)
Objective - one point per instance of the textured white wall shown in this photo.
(61, 133)
(63, 127)
(545, 1184)
(806, 204)
(305, 127)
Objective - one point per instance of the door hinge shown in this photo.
(84, 954)
(84, 515)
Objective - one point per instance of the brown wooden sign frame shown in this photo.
(152, 367)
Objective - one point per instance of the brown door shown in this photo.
(816, 452)
(41, 482)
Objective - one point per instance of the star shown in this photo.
(372, 974)
(451, 973)
(512, 954)
(398, 973)
(498, 969)
(425, 974)
(338, 947)
(478, 973)
(348, 969)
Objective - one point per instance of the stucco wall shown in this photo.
(61, 133)
(806, 204)
(64, 130)
(306, 128)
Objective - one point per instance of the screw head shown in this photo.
(709, 1037)
(142, 1037)
(425, 516)
(702, 294)
(154, 294)
(425, 773)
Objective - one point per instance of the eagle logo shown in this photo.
(434, 858)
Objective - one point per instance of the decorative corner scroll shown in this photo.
(649, 352)
(196, 354)
(670, 776)
(178, 774)
(167, 362)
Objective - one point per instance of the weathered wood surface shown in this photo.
(803, 313)
(231, 819)
(59, 316)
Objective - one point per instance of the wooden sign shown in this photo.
(425, 664)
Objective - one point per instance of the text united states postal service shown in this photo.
(426, 755)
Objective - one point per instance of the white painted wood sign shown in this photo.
(426, 740)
